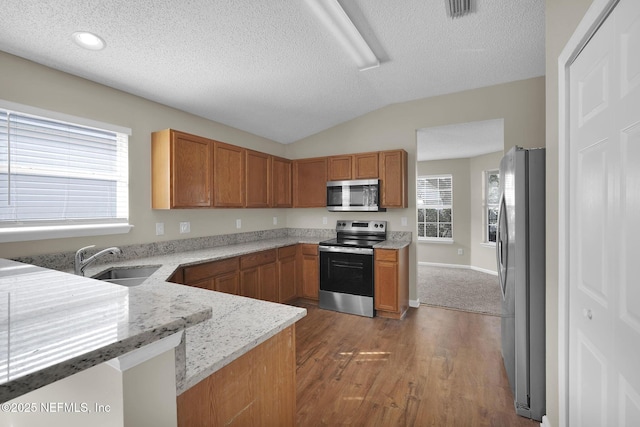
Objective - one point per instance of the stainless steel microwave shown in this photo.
(354, 195)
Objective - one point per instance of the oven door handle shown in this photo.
(346, 250)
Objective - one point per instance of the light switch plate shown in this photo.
(403, 220)
(275, 220)
(185, 227)
(238, 223)
(159, 228)
(324, 220)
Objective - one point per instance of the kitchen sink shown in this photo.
(127, 276)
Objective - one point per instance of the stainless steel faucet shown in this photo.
(81, 263)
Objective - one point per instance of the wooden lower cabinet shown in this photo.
(259, 275)
(391, 282)
(287, 274)
(309, 266)
(221, 276)
(227, 283)
(260, 282)
(257, 389)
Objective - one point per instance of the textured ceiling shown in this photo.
(270, 67)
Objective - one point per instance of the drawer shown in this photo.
(258, 258)
(198, 272)
(386, 255)
(287, 252)
(309, 249)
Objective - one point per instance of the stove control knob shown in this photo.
(376, 226)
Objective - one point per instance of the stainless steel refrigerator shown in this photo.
(520, 253)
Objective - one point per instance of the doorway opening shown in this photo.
(455, 169)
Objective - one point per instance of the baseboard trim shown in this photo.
(545, 422)
(462, 266)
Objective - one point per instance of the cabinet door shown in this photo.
(250, 283)
(393, 179)
(181, 170)
(310, 183)
(258, 179)
(204, 284)
(227, 283)
(287, 273)
(386, 280)
(228, 176)
(391, 282)
(282, 186)
(365, 165)
(310, 271)
(269, 282)
(340, 168)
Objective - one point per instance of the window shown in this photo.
(60, 178)
(435, 208)
(491, 204)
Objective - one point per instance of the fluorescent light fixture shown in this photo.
(336, 20)
(88, 40)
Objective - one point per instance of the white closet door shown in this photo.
(604, 289)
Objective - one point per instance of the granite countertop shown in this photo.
(238, 324)
(221, 327)
(54, 324)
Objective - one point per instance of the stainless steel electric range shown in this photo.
(346, 267)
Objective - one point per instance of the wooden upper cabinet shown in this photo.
(281, 179)
(228, 175)
(258, 179)
(310, 183)
(353, 166)
(394, 191)
(340, 168)
(181, 169)
(365, 165)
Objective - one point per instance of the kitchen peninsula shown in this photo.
(241, 333)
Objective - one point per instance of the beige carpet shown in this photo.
(460, 289)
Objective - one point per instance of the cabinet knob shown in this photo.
(587, 313)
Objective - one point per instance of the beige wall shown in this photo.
(520, 104)
(468, 194)
(445, 253)
(562, 18)
(28, 83)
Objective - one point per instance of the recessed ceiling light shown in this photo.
(88, 40)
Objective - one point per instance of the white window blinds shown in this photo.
(53, 172)
(435, 207)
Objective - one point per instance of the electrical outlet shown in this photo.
(403, 221)
(185, 227)
(324, 220)
(159, 228)
(460, 251)
(275, 220)
(238, 223)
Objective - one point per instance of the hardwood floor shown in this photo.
(436, 367)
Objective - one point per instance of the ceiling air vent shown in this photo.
(458, 8)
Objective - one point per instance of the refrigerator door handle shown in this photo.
(501, 250)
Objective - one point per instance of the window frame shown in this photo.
(17, 231)
(420, 205)
(486, 205)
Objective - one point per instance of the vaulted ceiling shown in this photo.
(270, 67)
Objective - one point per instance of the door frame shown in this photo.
(593, 18)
